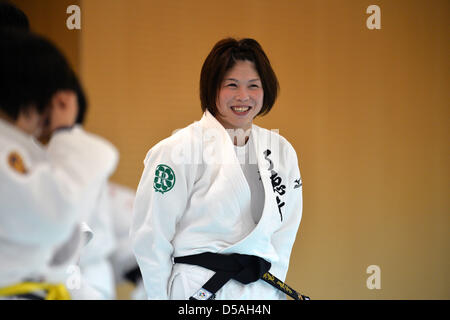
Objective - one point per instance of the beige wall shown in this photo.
(366, 110)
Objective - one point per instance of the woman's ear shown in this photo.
(63, 99)
(63, 109)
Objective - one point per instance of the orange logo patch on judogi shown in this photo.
(16, 162)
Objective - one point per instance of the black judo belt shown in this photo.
(240, 267)
(133, 275)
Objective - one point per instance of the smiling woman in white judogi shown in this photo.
(219, 202)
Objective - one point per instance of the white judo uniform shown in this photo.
(96, 268)
(45, 194)
(122, 258)
(193, 197)
(122, 200)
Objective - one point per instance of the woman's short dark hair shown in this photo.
(222, 58)
(32, 70)
(12, 17)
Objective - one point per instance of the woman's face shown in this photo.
(240, 96)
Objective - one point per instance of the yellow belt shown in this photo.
(54, 291)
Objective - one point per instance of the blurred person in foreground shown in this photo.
(45, 191)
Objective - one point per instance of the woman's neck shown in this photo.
(239, 137)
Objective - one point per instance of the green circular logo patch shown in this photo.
(164, 178)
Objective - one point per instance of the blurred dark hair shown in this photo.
(32, 70)
(12, 17)
(222, 58)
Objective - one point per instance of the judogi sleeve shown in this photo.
(161, 199)
(45, 201)
(284, 238)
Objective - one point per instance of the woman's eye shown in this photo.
(254, 86)
(233, 85)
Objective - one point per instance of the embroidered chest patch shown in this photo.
(15, 161)
(164, 178)
(277, 183)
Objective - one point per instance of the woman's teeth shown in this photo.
(240, 109)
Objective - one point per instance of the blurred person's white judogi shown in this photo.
(45, 194)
